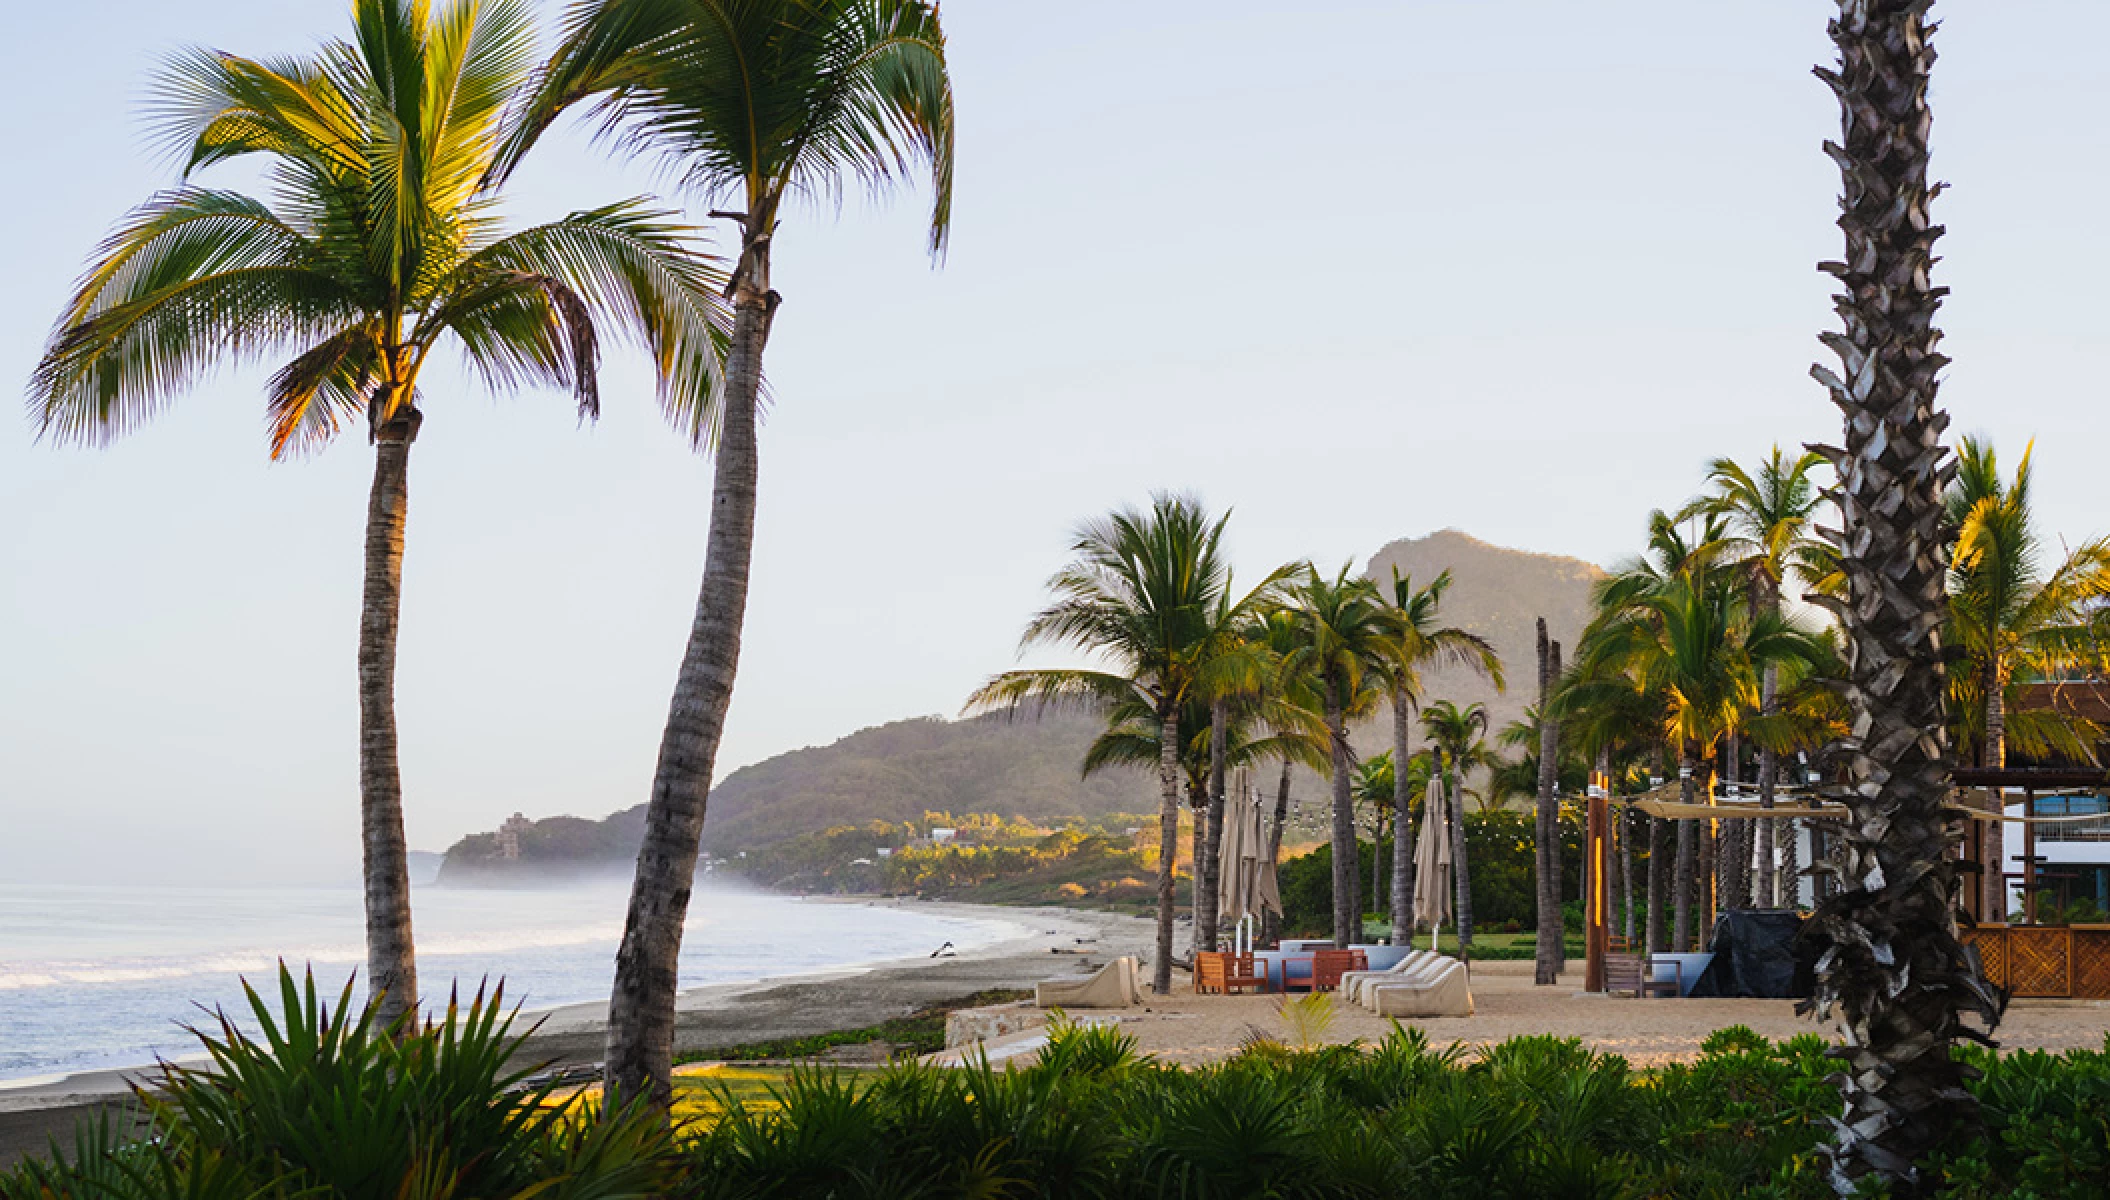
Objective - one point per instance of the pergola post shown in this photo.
(1596, 900)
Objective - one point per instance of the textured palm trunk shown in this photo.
(1993, 880)
(1208, 908)
(1659, 855)
(1461, 869)
(648, 960)
(1891, 965)
(1377, 864)
(1347, 905)
(1198, 804)
(1733, 876)
(1768, 771)
(1271, 922)
(1402, 824)
(1683, 883)
(1551, 950)
(391, 955)
(1168, 840)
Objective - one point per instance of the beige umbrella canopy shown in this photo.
(1432, 859)
(1249, 885)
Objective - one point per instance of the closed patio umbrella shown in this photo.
(1432, 861)
(1249, 887)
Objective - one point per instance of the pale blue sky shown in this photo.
(1360, 270)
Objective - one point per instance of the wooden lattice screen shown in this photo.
(1991, 945)
(2040, 961)
(2091, 964)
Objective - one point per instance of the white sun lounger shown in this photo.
(1440, 991)
(1353, 982)
(1421, 972)
(1114, 985)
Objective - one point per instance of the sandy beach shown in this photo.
(1053, 942)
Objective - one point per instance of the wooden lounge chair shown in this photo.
(1635, 975)
(1327, 967)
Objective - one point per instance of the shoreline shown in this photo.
(733, 1012)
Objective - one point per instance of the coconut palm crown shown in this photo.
(379, 245)
(1145, 594)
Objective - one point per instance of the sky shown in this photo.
(1356, 271)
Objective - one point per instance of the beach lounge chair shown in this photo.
(1422, 972)
(1353, 982)
(1114, 985)
(1440, 989)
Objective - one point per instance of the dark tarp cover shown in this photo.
(1755, 955)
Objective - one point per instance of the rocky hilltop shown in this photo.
(1024, 768)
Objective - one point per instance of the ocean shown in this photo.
(107, 976)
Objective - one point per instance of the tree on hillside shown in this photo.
(1420, 642)
(1457, 737)
(379, 246)
(748, 101)
(1345, 629)
(1893, 967)
(1144, 594)
(1771, 515)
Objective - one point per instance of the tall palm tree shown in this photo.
(1346, 629)
(1695, 640)
(748, 101)
(1457, 736)
(1420, 642)
(1375, 789)
(2015, 623)
(1144, 593)
(1771, 516)
(1893, 965)
(379, 245)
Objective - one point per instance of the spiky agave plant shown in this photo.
(1891, 964)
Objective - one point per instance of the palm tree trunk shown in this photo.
(1461, 870)
(1683, 890)
(1271, 922)
(1892, 964)
(1659, 855)
(1551, 948)
(1377, 863)
(1993, 881)
(1402, 825)
(1168, 840)
(391, 955)
(648, 961)
(1207, 914)
(1347, 906)
(1768, 768)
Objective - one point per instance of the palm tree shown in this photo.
(1144, 593)
(748, 101)
(1893, 964)
(1771, 516)
(380, 244)
(1420, 642)
(1376, 790)
(2016, 622)
(1694, 640)
(1456, 736)
(1346, 628)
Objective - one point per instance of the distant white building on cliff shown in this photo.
(509, 836)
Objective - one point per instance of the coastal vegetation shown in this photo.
(323, 1104)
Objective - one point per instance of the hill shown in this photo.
(1499, 594)
(1027, 769)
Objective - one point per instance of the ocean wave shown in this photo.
(26, 976)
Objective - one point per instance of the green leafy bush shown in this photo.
(323, 1103)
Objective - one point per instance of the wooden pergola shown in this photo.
(2029, 959)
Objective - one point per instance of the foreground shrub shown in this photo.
(323, 1103)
